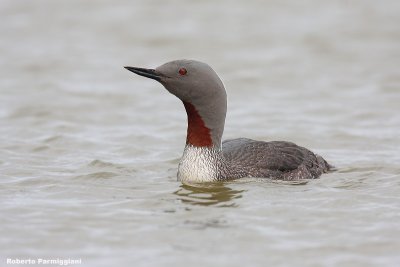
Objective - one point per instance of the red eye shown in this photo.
(182, 71)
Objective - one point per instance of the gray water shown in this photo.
(89, 151)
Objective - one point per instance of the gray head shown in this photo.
(201, 91)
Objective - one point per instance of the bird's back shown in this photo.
(276, 159)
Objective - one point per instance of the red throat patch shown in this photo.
(197, 132)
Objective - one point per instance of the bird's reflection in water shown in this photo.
(208, 194)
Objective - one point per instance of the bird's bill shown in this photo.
(149, 73)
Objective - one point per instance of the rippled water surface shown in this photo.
(89, 151)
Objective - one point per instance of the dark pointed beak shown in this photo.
(149, 73)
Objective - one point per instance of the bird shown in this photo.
(205, 157)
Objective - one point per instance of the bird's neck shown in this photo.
(203, 133)
(202, 159)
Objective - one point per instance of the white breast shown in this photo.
(198, 164)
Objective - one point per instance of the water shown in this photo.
(89, 151)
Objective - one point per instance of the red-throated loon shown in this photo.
(205, 157)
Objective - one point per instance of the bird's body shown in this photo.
(276, 159)
(205, 157)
